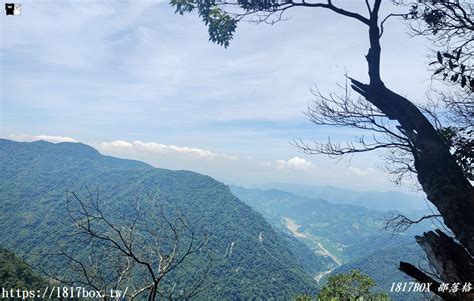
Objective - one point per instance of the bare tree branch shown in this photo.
(401, 223)
(126, 248)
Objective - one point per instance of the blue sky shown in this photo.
(137, 81)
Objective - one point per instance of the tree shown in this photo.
(350, 286)
(450, 26)
(439, 174)
(138, 255)
(353, 285)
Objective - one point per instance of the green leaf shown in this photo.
(449, 56)
(183, 6)
(458, 54)
(463, 81)
(221, 26)
(439, 70)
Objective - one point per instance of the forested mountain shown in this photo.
(347, 236)
(377, 200)
(254, 259)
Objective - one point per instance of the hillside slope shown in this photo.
(16, 274)
(35, 176)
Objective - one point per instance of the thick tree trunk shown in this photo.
(441, 178)
(451, 261)
(421, 277)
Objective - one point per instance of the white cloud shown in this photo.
(361, 172)
(295, 163)
(53, 139)
(115, 144)
(159, 148)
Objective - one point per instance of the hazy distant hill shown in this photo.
(34, 177)
(385, 201)
(347, 236)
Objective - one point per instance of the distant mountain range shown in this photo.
(255, 260)
(384, 201)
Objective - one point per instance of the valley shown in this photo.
(293, 228)
(346, 236)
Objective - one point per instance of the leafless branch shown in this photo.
(115, 249)
(400, 223)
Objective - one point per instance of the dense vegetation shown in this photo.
(35, 176)
(16, 274)
(350, 286)
(353, 285)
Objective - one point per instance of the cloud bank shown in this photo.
(49, 138)
(158, 148)
(295, 163)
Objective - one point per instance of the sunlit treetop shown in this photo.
(222, 17)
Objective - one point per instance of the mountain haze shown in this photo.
(384, 201)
